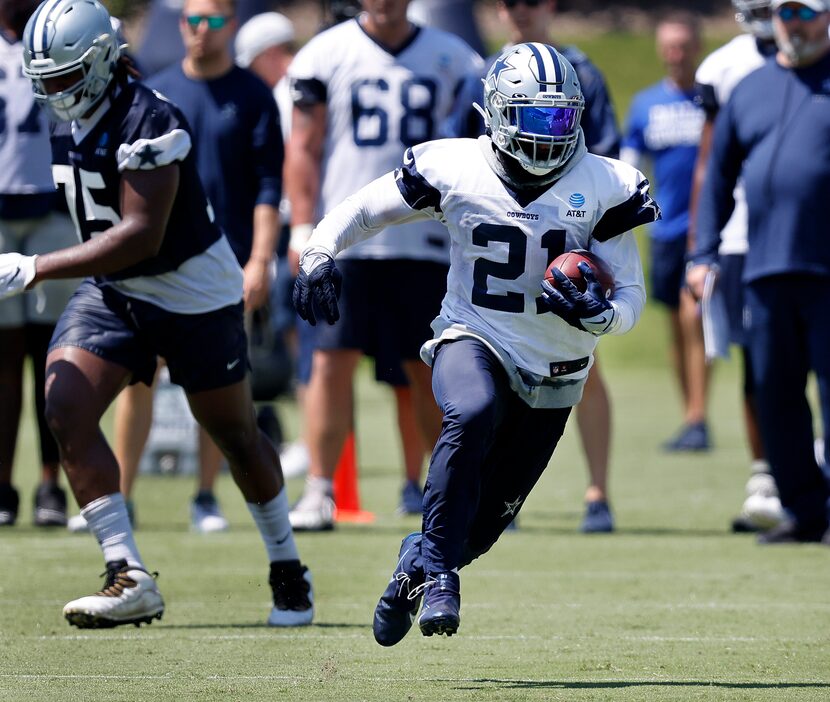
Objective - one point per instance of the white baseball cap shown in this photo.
(817, 5)
(259, 33)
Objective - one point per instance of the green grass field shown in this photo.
(672, 607)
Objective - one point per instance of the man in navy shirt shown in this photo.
(664, 125)
(239, 154)
(774, 132)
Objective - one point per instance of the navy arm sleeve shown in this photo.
(716, 199)
(268, 155)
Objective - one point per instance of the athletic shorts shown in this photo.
(43, 304)
(732, 286)
(203, 351)
(386, 311)
(668, 270)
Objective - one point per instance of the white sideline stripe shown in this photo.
(542, 681)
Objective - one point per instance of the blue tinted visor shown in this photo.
(547, 121)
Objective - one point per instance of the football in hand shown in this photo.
(567, 263)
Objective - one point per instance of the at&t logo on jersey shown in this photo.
(577, 202)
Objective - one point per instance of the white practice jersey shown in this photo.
(379, 103)
(718, 75)
(502, 243)
(25, 154)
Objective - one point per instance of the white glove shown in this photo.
(16, 272)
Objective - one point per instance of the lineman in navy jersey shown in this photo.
(508, 359)
(164, 283)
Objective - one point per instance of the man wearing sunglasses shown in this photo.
(774, 133)
(239, 154)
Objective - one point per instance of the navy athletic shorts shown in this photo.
(668, 270)
(386, 309)
(203, 351)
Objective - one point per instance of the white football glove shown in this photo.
(16, 272)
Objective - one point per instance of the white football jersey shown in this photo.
(503, 242)
(722, 70)
(379, 103)
(25, 153)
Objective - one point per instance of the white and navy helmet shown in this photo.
(532, 106)
(755, 16)
(63, 36)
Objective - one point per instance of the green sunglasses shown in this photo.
(214, 22)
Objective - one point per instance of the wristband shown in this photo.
(300, 234)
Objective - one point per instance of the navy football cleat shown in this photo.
(399, 602)
(441, 613)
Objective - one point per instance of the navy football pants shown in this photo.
(789, 335)
(492, 449)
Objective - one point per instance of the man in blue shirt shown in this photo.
(664, 124)
(774, 132)
(239, 154)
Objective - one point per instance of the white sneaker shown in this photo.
(129, 596)
(77, 524)
(206, 516)
(293, 595)
(294, 459)
(763, 512)
(313, 512)
(818, 447)
(761, 484)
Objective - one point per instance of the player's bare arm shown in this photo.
(256, 270)
(146, 202)
(303, 155)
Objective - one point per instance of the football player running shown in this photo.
(163, 281)
(508, 359)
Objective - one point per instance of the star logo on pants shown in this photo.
(511, 507)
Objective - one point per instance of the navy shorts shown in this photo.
(732, 285)
(203, 351)
(386, 309)
(668, 270)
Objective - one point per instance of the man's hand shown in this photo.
(16, 273)
(255, 283)
(589, 311)
(318, 281)
(695, 278)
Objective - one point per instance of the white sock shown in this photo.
(108, 521)
(319, 485)
(272, 521)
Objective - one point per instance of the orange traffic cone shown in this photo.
(346, 496)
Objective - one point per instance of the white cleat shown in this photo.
(294, 459)
(313, 512)
(129, 596)
(293, 594)
(763, 512)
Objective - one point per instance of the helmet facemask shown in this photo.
(530, 118)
